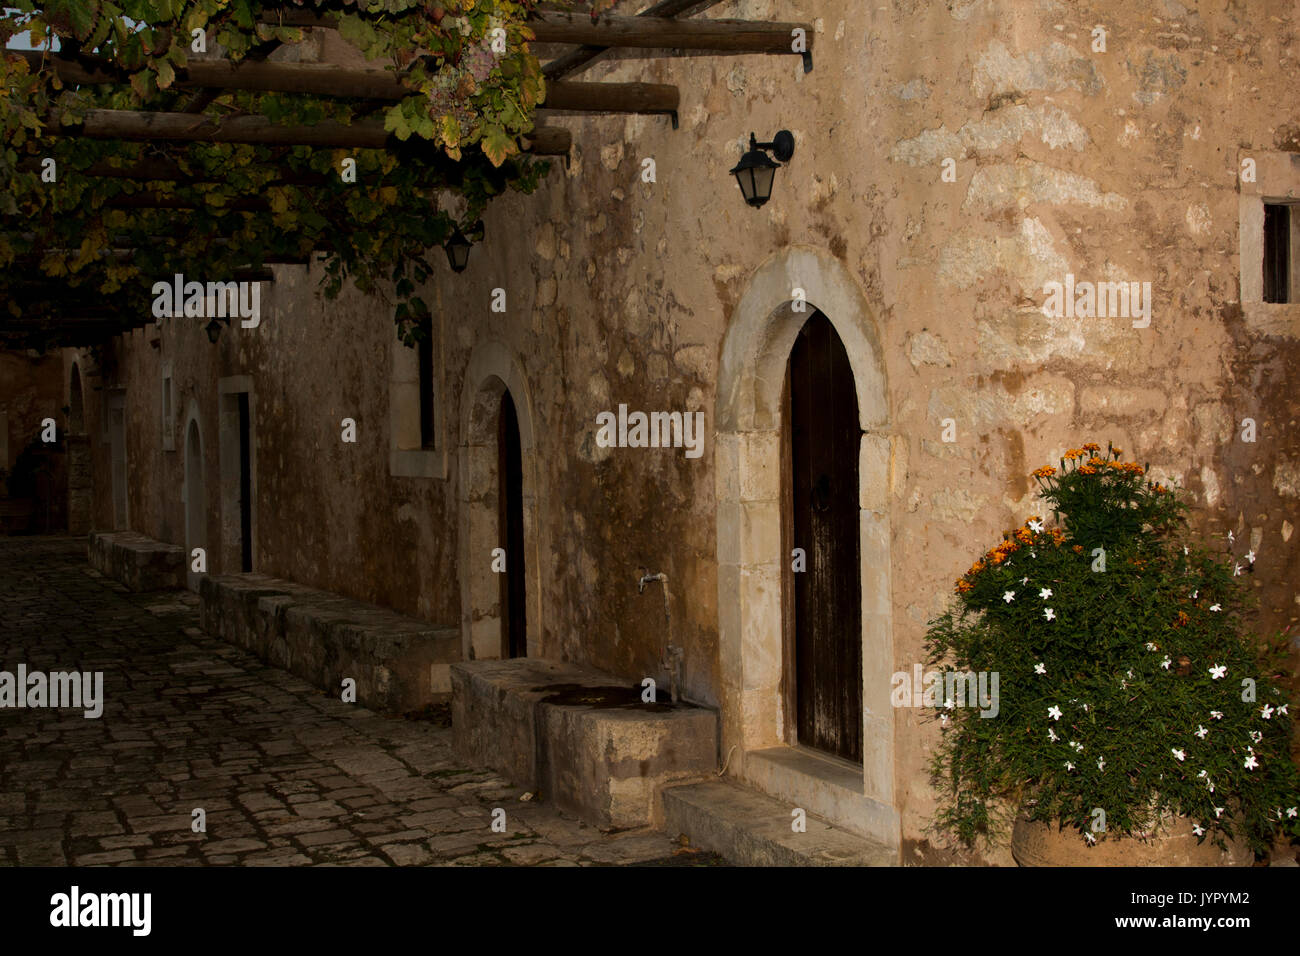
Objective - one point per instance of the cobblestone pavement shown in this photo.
(286, 775)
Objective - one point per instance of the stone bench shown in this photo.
(400, 664)
(583, 738)
(138, 562)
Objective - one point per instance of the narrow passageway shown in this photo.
(284, 774)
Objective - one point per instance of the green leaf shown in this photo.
(497, 145)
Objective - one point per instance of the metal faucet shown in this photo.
(649, 579)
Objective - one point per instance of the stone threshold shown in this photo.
(752, 829)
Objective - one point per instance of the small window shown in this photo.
(168, 428)
(428, 435)
(1277, 252)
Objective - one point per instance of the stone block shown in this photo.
(138, 562)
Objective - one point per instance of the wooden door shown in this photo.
(510, 524)
(827, 632)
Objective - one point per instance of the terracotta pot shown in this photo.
(1038, 843)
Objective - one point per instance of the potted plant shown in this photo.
(1135, 722)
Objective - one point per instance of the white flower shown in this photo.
(1025, 579)
(1250, 556)
(1198, 830)
(1179, 754)
(1256, 736)
(949, 703)
(1231, 538)
(1130, 674)
(1282, 709)
(1087, 835)
(1218, 812)
(1052, 734)
(1049, 614)
(1076, 745)
(1035, 526)
(1216, 607)
(1201, 731)
(1150, 647)
(1045, 593)
(1085, 707)
(943, 719)
(1101, 763)
(1236, 571)
(1251, 763)
(1266, 711)
(1195, 593)
(1054, 712)
(1008, 596)
(1292, 812)
(1203, 773)
(1166, 662)
(1216, 714)
(1068, 765)
(1217, 671)
(1040, 668)
(1185, 551)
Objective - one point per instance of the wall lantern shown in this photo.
(756, 171)
(213, 328)
(458, 251)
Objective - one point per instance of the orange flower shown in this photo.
(1091, 446)
(1047, 471)
(1117, 451)
(963, 586)
(1073, 453)
(1078, 549)
(1087, 470)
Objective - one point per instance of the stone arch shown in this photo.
(748, 417)
(493, 371)
(194, 493)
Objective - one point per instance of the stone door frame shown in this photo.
(491, 372)
(751, 628)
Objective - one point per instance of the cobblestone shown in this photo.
(286, 775)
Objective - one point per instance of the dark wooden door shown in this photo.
(510, 524)
(827, 632)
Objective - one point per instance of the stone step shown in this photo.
(752, 829)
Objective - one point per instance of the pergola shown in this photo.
(206, 104)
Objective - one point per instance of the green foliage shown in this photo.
(1129, 658)
(459, 129)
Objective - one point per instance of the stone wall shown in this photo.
(1115, 165)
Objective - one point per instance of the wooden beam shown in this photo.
(184, 127)
(575, 60)
(318, 80)
(639, 32)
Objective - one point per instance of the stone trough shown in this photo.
(138, 562)
(400, 664)
(583, 738)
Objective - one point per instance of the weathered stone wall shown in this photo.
(1120, 165)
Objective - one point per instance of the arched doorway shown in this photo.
(196, 508)
(754, 458)
(824, 633)
(501, 608)
(510, 531)
(79, 466)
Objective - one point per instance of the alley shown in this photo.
(284, 774)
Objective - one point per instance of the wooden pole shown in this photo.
(575, 60)
(185, 127)
(318, 80)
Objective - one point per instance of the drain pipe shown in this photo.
(672, 657)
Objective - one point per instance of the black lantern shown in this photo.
(213, 328)
(458, 251)
(756, 171)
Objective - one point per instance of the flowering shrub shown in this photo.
(1126, 685)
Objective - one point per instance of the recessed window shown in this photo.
(168, 403)
(1277, 252)
(428, 434)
